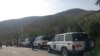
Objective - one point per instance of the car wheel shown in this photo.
(40, 47)
(64, 52)
(49, 49)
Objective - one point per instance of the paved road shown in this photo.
(14, 51)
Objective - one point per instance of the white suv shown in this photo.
(71, 43)
(41, 41)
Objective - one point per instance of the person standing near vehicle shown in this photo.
(32, 39)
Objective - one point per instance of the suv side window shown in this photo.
(56, 38)
(68, 37)
(61, 38)
(36, 39)
(40, 38)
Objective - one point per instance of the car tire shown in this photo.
(89, 44)
(49, 49)
(64, 52)
(40, 47)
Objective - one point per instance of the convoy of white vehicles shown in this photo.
(68, 44)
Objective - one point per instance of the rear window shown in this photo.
(68, 37)
(76, 37)
(79, 37)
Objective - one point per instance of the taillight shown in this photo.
(76, 46)
(73, 47)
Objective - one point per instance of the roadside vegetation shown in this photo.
(96, 51)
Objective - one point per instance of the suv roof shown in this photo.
(45, 37)
(72, 33)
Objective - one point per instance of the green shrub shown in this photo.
(96, 51)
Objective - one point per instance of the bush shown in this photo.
(96, 51)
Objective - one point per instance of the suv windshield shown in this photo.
(79, 37)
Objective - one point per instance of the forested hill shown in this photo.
(17, 23)
(70, 20)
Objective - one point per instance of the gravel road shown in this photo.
(19, 51)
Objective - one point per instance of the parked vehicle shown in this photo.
(71, 43)
(0, 44)
(41, 41)
(16, 43)
(26, 42)
(9, 43)
(20, 43)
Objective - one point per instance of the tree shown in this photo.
(98, 2)
(95, 29)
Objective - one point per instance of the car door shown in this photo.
(55, 42)
(59, 43)
(52, 43)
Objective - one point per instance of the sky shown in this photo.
(13, 9)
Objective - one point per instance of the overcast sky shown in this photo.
(13, 9)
